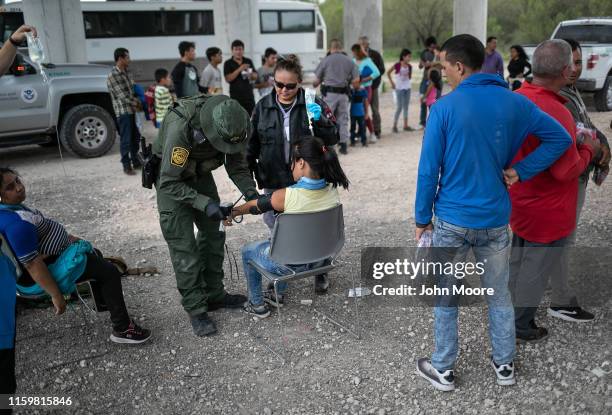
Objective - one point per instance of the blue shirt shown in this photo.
(472, 135)
(369, 63)
(29, 233)
(20, 234)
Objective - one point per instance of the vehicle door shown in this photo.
(24, 96)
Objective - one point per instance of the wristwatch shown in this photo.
(14, 42)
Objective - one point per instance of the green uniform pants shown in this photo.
(197, 260)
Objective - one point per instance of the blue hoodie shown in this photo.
(472, 135)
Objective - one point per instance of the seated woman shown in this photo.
(41, 244)
(316, 169)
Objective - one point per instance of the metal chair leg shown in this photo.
(278, 310)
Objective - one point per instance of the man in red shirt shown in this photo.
(544, 207)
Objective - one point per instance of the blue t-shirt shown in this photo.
(29, 233)
(357, 98)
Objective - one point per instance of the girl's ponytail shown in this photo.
(322, 159)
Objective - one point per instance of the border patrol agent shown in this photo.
(197, 136)
(337, 72)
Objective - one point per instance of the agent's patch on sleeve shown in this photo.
(179, 156)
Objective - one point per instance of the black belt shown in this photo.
(337, 89)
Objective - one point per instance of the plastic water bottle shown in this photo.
(309, 96)
(426, 239)
(35, 48)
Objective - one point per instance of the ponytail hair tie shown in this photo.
(324, 149)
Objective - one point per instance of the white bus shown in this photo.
(152, 30)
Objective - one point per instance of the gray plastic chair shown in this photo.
(307, 238)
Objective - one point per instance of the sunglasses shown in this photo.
(280, 85)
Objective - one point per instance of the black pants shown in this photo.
(107, 285)
(7, 372)
(8, 383)
(108, 280)
(531, 264)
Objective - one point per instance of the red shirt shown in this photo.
(544, 207)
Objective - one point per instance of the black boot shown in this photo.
(343, 149)
(202, 325)
(229, 301)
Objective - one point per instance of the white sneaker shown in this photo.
(373, 139)
(442, 381)
(504, 373)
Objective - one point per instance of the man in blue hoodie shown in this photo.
(471, 137)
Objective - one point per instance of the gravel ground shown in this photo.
(328, 370)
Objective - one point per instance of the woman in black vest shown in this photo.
(279, 119)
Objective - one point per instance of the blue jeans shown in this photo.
(403, 99)
(259, 252)
(491, 247)
(129, 137)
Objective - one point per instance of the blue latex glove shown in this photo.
(315, 110)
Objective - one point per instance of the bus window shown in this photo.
(297, 21)
(287, 21)
(148, 23)
(9, 22)
(269, 22)
(126, 24)
(188, 23)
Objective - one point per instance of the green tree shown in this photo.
(406, 23)
(332, 11)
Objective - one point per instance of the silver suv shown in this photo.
(68, 102)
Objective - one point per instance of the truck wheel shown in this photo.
(603, 97)
(87, 131)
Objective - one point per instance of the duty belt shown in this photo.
(336, 89)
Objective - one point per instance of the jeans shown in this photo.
(422, 90)
(358, 128)
(259, 252)
(490, 247)
(531, 264)
(129, 138)
(403, 99)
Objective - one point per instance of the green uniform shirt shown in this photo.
(183, 160)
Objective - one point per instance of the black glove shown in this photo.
(215, 211)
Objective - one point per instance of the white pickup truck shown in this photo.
(595, 37)
(71, 104)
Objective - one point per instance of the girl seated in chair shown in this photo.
(317, 172)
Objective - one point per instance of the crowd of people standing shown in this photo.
(535, 150)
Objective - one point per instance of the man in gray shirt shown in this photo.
(337, 72)
(211, 75)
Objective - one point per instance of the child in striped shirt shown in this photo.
(163, 98)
